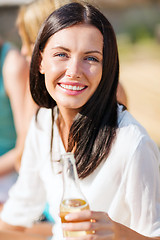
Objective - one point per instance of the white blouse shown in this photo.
(126, 185)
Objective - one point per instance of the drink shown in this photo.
(69, 206)
(73, 199)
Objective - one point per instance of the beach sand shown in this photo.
(140, 76)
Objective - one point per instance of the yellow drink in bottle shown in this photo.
(69, 206)
(73, 199)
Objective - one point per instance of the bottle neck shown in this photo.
(71, 188)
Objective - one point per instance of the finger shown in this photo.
(87, 237)
(79, 216)
(109, 236)
(88, 226)
(80, 226)
(87, 215)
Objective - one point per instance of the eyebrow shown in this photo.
(88, 52)
(94, 51)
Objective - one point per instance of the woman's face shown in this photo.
(25, 52)
(26, 49)
(72, 65)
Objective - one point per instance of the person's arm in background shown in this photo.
(16, 80)
(121, 95)
(9, 232)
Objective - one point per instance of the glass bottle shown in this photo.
(73, 199)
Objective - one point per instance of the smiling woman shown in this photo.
(73, 68)
(73, 78)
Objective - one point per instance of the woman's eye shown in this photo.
(60, 55)
(93, 59)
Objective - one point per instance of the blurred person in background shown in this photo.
(122, 95)
(13, 82)
(29, 19)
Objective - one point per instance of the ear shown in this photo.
(41, 69)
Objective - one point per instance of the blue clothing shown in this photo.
(7, 129)
(47, 214)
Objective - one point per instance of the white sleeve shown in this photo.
(27, 197)
(143, 189)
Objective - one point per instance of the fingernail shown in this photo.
(67, 217)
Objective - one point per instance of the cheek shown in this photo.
(54, 67)
(53, 72)
(95, 74)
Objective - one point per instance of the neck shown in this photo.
(65, 120)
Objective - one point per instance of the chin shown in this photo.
(72, 104)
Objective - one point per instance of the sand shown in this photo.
(141, 80)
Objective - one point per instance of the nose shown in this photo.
(74, 69)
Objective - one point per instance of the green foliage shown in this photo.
(140, 32)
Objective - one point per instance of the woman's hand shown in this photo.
(101, 227)
(98, 224)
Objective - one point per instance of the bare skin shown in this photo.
(102, 226)
(39, 231)
(16, 82)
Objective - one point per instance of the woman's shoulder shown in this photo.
(127, 121)
(130, 132)
(133, 144)
(131, 135)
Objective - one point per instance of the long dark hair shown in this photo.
(94, 128)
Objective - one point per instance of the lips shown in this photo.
(72, 87)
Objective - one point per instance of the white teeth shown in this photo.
(70, 87)
(62, 85)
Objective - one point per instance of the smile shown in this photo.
(73, 88)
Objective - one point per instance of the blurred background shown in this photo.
(137, 26)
